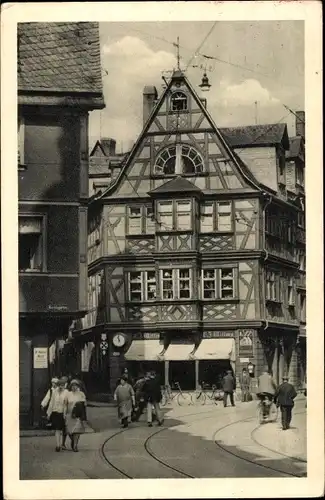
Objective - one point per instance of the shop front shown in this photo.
(214, 356)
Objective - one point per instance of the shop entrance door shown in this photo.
(182, 372)
(212, 372)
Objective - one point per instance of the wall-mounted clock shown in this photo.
(118, 340)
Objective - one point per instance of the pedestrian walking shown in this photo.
(228, 386)
(140, 398)
(284, 397)
(153, 397)
(56, 412)
(47, 398)
(75, 413)
(245, 385)
(124, 396)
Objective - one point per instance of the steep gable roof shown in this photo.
(178, 184)
(257, 135)
(59, 57)
(177, 76)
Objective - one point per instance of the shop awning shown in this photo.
(144, 350)
(216, 349)
(179, 352)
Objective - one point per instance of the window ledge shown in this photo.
(174, 231)
(140, 236)
(218, 233)
(274, 301)
(220, 300)
(30, 271)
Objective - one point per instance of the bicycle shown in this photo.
(267, 411)
(167, 395)
(202, 394)
(183, 398)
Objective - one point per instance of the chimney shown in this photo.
(150, 96)
(109, 145)
(300, 123)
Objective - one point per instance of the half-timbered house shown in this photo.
(59, 83)
(193, 266)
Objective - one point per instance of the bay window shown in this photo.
(218, 283)
(216, 216)
(175, 215)
(176, 284)
(142, 286)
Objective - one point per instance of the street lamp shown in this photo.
(205, 84)
(251, 369)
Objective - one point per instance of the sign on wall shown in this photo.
(146, 336)
(218, 334)
(40, 357)
(245, 342)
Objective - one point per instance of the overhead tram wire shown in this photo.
(201, 44)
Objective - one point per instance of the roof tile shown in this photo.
(257, 135)
(59, 57)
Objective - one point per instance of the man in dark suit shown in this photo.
(228, 386)
(284, 396)
(153, 396)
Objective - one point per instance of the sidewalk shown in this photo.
(293, 442)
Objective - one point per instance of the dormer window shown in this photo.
(178, 101)
(179, 159)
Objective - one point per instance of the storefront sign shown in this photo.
(146, 336)
(40, 358)
(246, 341)
(244, 360)
(218, 334)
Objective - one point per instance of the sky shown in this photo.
(260, 62)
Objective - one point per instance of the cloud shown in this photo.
(131, 64)
(245, 94)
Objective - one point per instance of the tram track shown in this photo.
(247, 460)
(224, 449)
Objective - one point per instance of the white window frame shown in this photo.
(176, 279)
(132, 217)
(211, 279)
(146, 224)
(217, 214)
(173, 214)
(181, 213)
(291, 301)
(271, 286)
(300, 176)
(145, 283)
(218, 281)
(226, 279)
(302, 307)
(41, 246)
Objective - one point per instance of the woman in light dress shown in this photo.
(124, 396)
(56, 410)
(75, 413)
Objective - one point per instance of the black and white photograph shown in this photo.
(161, 260)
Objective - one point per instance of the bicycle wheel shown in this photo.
(273, 415)
(199, 398)
(184, 399)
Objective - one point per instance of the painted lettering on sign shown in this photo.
(218, 334)
(146, 336)
(40, 357)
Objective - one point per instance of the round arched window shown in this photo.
(179, 159)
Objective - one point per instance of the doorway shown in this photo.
(212, 372)
(182, 372)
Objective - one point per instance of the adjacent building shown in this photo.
(59, 82)
(195, 247)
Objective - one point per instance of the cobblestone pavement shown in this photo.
(195, 441)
